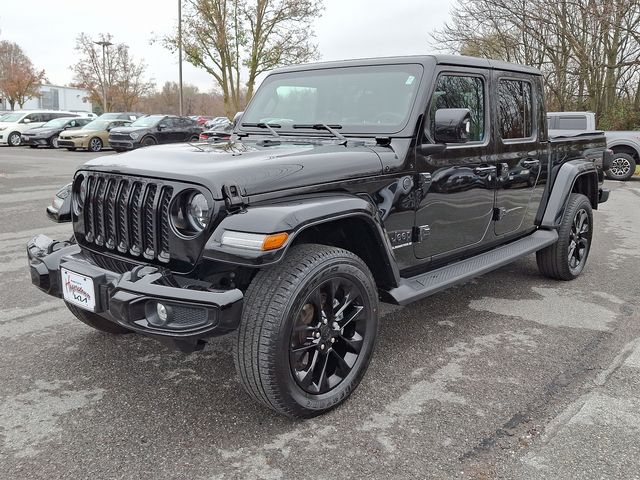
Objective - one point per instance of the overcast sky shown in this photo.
(348, 29)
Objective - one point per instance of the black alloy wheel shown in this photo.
(566, 259)
(308, 330)
(580, 239)
(328, 335)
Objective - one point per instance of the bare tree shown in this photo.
(230, 37)
(588, 50)
(19, 80)
(195, 102)
(119, 74)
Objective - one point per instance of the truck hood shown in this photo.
(253, 167)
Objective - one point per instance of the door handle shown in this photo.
(530, 163)
(484, 170)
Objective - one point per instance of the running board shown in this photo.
(425, 284)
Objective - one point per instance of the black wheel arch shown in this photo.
(575, 176)
(342, 220)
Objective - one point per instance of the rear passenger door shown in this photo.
(521, 151)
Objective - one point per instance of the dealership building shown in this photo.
(55, 97)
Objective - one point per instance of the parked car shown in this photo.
(200, 119)
(85, 114)
(624, 144)
(217, 134)
(94, 136)
(152, 130)
(47, 134)
(131, 116)
(216, 121)
(14, 124)
(293, 234)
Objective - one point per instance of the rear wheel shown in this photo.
(565, 259)
(53, 142)
(95, 145)
(96, 321)
(194, 138)
(623, 166)
(308, 330)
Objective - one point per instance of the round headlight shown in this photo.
(134, 135)
(198, 211)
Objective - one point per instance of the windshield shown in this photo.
(369, 99)
(97, 125)
(56, 123)
(13, 117)
(149, 121)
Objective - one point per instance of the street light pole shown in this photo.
(180, 52)
(105, 44)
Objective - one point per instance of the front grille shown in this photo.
(120, 136)
(130, 216)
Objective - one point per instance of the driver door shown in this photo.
(456, 192)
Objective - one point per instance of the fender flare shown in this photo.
(563, 186)
(624, 143)
(294, 215)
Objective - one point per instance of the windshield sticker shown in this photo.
(410, 80)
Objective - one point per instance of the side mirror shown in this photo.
(452, 125)
(236, 118)
(161, 127)
(26, 120)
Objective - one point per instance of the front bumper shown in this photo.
(33, 140)
(129, 299)
(72, 142)
(123, 144)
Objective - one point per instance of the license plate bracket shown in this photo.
(79, 289)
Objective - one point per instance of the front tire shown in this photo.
(96, 321)
(95, 145)
(148, 142)
(308, 330)
(565, 259)
(14, 139)
(623, 166)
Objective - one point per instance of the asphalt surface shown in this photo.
(509, 376)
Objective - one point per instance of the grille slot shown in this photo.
(130, 216)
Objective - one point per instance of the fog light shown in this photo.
(161, 310)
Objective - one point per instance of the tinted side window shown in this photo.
(572, 123)
(186, 122)
(35, 117)
(515, 109)
(456, 91)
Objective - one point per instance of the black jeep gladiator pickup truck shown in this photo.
(344, 184)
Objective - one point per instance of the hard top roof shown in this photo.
(453, 60)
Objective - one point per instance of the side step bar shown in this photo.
(425, 284)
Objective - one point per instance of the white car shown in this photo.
(14, 123)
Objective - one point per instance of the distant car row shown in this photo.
(120, 131)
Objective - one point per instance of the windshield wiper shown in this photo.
(324, 126)
(268, 126)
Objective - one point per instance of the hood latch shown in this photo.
(233, 197)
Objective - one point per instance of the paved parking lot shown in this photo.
(510, 376)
